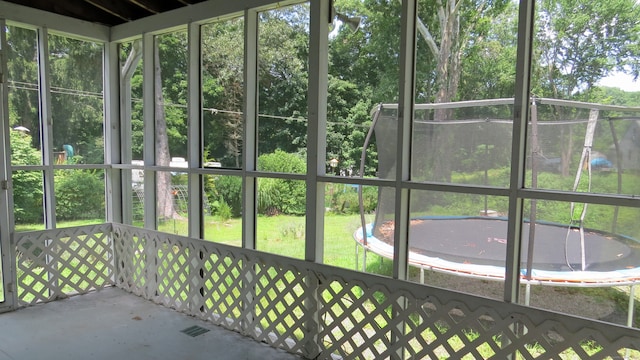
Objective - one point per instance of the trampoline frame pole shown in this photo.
(357, 255)
(632, 299)
(364, 260)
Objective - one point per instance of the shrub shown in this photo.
(281, 196)
(27, 185)
(344, 199)
(79, 194)
(225, 190)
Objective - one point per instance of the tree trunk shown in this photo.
(447, 79)
(165, 210)
(567, 147)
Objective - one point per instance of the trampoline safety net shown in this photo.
(571, 146)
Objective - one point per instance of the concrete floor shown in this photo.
(115, 325)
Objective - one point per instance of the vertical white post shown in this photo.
(249, 161)
(7, 247)
(46, 134)
(46, 125)
(316, 154)
(194, 118)
(526, 20)
(403, 141)
(149, 150)
(250, 139)
(149, 154)
(112, 132)
(126, 155)
(403, 156)
(317, 128)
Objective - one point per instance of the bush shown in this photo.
(79, 195)
(225, 190)
(344, 199)
(27, 197)
(281, 196)
(27, 185)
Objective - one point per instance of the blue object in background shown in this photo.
(68, 149)
(601, 163)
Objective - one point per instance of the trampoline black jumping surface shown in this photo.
(482, 241)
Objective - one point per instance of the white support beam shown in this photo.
(112, 132)
(149, 145)
(124, 77)
(7, 247)
(403, 141)
(55, 23)
(250, 139)
(46, 125)
(194, 118)
(526, 22)
(317, 128)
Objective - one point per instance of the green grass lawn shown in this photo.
(283, 235)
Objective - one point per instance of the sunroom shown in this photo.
(330, 179)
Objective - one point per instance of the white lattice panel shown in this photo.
(324, 312)
(222, 292)
(280, 315)
(54, 264)
(131, 259)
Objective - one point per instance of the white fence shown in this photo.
(314, 310)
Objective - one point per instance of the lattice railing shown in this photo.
(54, 264)
(309, 309)
(322, 312)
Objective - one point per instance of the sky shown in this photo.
(622, 81)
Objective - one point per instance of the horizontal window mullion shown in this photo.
(602, 199)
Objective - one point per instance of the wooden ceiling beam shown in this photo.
(121, 9)
(78, 9)
(155, 6)
(106, 12)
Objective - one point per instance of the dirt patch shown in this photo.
(593, 303)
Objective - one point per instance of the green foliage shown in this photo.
(283, 44)
(345, 200)
(575, 48)
(27, 185)
(281, 196)
(282, 162)
(222, 88)
(225, 190)
(76, 99)
(222, 210)
(79, 194)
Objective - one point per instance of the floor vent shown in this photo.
(194, 330)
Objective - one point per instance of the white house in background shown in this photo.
(137, 175)
(630, 147)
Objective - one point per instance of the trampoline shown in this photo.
(564, 254)
(476, 247)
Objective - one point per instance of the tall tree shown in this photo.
(451, 29)
(23, 83)
(166, 209)
(223, 90)
(283, 52)
(579, 42)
